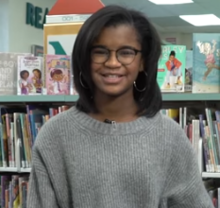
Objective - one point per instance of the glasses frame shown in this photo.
(116, 51)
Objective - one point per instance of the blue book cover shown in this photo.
(171, 68)
(206, 63)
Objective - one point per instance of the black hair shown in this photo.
(150, 100)
(172, 53)
(23, 72)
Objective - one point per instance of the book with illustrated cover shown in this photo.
(8, 72)
(30, 75)
(171, 68)
(188, 71)
(58, 76)
(206, 63)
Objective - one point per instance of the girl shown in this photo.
(57, 77)
(208, 51)
(23, 82)
(174, 68)
(114, 149)
(36, 79)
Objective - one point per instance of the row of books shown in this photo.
(213, 188)
(25, 74)
(197, 70)
(18, 130)
(201, 124)
(13, 191)
(179, 70)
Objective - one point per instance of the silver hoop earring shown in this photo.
(135, 86)
(80, 80)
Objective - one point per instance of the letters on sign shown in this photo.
(35, 16)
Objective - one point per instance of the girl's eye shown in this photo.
(100, 52)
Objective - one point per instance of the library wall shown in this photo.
(4, 22)
(181, 38)
(21, 35)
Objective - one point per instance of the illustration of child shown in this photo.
(208, 51)
(58, 78)
(23, 82)
(36, 79)
(174, 69)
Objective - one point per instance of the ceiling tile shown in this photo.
(169, 21)
(186, 9)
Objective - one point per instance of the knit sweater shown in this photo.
(79, 162)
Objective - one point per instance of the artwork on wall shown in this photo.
(59, 38)
(37, 50)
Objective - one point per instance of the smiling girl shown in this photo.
(115, 149)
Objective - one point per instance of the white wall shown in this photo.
(181, 38)
(4, 22)
(17, 36)
(21, 35)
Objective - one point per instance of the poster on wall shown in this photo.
(59, 38)
(37, 50)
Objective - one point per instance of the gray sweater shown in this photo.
(79, 162)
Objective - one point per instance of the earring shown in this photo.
(135, 86)
(80, 80)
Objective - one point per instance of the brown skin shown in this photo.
(116, 101)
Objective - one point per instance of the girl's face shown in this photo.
(172, 58)
(113, 78)
(36, 74)
(58, 77)
(25, 76)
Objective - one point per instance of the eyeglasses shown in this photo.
(124, 55)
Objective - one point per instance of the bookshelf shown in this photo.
(73, 98)
(53, 99)
(210, 175)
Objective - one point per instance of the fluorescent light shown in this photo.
(164, 2)
(201, 20)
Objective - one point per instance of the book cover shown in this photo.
(30, 75)
(58, 74)
(188, 71)
(171, 68)
(206, 63)
(8, 72)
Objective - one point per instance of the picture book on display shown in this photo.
(8, 73)
(29, 75)
(171, 68)
(58, 74)
(188, 71)
(206, 63)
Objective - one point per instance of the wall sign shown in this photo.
(35, 16)
(59, 39)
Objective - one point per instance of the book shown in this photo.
(8, 72)
(188, 71)
(58, 76)
(30, 75)
(171, 68)
(206, 63)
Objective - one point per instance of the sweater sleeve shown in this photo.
(40, 192)
(184, 186)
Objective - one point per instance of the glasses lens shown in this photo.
(99, 55)
(126, 56)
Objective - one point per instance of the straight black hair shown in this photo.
(150, 100)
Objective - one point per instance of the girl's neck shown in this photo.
(119, 109)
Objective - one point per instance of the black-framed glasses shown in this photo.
(125, 55)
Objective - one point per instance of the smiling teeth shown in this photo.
(113, 76)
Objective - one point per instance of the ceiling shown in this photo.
(166, 18)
